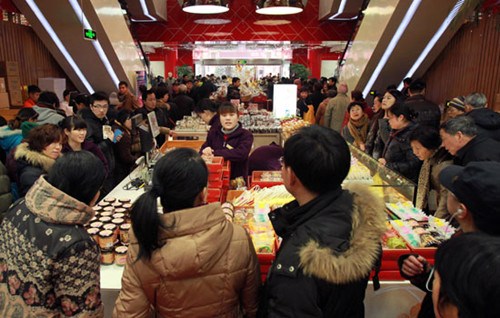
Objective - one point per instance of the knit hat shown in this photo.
(458, 103)
(26, 127)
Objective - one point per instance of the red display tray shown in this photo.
(215, 176)
(216, 165)
(256, 180)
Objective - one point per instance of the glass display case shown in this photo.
(394, 187)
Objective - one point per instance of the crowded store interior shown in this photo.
(241, 158)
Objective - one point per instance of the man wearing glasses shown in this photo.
(99, 132)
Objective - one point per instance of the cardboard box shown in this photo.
(3, 88)
(9, 68)
(4, 100)
(16, 98)
(13, 83)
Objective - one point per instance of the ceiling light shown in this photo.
(201, 6)
(280, 7)
(272, 22)
(212, 21)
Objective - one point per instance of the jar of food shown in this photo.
(96, 224)
(108, 209)
(106, 240)
(118, 216)
(94, 233)
(127, 206)
(104, 204)
(97, 208)
(118, 222)
(105, 219)
(107, 213)
(110, 200)
(124, 228)
(121, 255)
(121, 210)
(124, 200)
(112, 227)
(107, 256)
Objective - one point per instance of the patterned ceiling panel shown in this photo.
(246, 25)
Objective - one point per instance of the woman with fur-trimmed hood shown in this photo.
(35, 156)
(331, 236)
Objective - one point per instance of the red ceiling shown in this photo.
(303, 27)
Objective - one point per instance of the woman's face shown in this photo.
(396, 122)
(420, 151)
(229, 120)
(377, 104)
(53, 150)
(356, 113)
(76, 135)
(388, 101)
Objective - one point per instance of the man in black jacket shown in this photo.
(428, 113)
(331, 236)
(487, 121)
(460, 137)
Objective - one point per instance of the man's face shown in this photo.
(238, 83)
(100, 108)
(452, 143)
(35, 96)
(123, 89)
(189, 85)
(150, 102)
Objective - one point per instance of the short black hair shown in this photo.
(319, 157)
(160, 92)
(227, 107)
(48, 99)
(427, 136)
(80, 174)
(205, 104)
(83, 98)
(148, 92)
(33, 89)
(407, 80)
(73, 122)
(99, 96)
(417, 86)
(235, 79)
(123, 83)
(351, 105)
(399, 108)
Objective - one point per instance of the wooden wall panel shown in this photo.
(470, 62)
(20, 43)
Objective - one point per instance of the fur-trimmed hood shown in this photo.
(368, 225)
(34, 158)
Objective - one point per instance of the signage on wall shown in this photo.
(89, 34)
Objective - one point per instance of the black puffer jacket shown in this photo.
(399, 155)
(329, 247)
(480, 148)
(487, 122)
(428, 113)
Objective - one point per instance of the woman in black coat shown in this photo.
(397, 154)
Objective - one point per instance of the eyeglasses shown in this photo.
(100, 107)
(428, 284)
(281, 161)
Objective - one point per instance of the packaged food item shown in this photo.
(97, 224)
(124, 228)
(97, 208)
(108, 209)
(109, 200)
(105, 219)
(121, 255)
(106, 213)
(94, 233)
(107, 256)
(118, 216)
(104, 204)
(106, 240)
(124, 200)
(116, 204)
(118, 221)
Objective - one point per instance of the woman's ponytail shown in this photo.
(146, 222)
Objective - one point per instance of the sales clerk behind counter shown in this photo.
(230, 141)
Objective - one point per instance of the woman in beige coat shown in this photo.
(188, 261)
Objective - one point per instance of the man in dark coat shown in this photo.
(487, 121)
(428, 113)
(185, 104)
(460, 137)
(331, 236)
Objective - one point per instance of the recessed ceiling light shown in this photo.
(266, 33)
(272, 22)
(212, 21)
(218, 34)
(268, 7)
(199, 6)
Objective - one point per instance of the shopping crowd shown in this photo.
(189, 261)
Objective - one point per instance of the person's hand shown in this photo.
(362, 147)
(382, 161)
(119, 137)
(208, 151)
(413, 266)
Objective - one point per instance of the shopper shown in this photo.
(391, 97)
(128, 149)
(460, 137)
(207, 111)
(426, 145)
(331, 236)
(168, 107)
(486, 120)
(455, 107)
(356, 130)
(233, 90)
(474, 202)
(397, 154)
(303, 102)
(320, 113)
(185, 104)
(336, 108)
(149, 101)
(49, 266)
(187, 261)
(466, 279)
(427, 113)
(46, 107)
(11, 134)
(378, 114)
(127, 100)
(231, 141)
(75, 132)
(35, 156)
